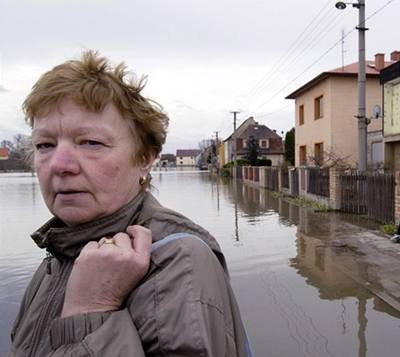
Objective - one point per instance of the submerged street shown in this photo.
(300, 292)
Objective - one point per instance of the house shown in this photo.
(390, 79)
(229, 147)
(3, 154)
(186, 157)
(269, 142)
(325, 110)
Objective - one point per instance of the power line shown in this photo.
(263, 115)
(294, 45)
(324, 54)
(379, 10)
(314, 42)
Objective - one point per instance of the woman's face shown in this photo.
(84, 162)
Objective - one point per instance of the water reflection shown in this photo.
(299, 295)
(338, 273)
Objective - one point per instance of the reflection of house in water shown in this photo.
(254, 201)
(337, 273)
(316, 263)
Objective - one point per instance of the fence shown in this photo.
(369, 194)
(285, 177)
(239, 172)
(318, 181)
(272, 178)
(294, 182)
(372, 195)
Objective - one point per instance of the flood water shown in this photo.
(298, 295)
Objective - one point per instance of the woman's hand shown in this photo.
(104, 274)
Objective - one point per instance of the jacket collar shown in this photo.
(60, 239)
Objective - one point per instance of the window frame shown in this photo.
(302, 160)
(319, 153)
(319, 107)
(266, 141)
(301, 114)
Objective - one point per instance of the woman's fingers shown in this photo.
(122, 240)
(141, 239)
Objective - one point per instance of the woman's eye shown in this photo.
(43, 146)
(93, 143)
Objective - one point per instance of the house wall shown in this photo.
(344, 127)
(276, 159)
(337, 130)
(185, 161)
(312, 131)
(221, 155)
(392, 108)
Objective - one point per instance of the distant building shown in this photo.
(325, 110)
(186, 157)
(167, 160)
(390, 79)
(3, 154)
(269, 142)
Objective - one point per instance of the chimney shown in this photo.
(395, 56)
(379, 61)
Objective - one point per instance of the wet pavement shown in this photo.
(308, 284)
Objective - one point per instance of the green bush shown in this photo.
(240, 162)
(225, 172)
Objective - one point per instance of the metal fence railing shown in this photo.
(369, 194)
(294, 182)
(285, 177)
(318, 181)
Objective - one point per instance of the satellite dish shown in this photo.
(377, 111)
(340, 5)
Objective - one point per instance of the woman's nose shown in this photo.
(64, 160)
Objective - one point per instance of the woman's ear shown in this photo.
(147, 163)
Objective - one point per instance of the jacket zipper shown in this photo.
(48, 259)
(40, 326)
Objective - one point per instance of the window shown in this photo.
(264, 143)
(319, 154)
(319, 107)
(303, 155)
(301, 114)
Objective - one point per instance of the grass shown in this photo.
(305, 202)
(388, 228)
(276, 194)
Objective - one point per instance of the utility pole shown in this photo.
(216, 136)
(361, 118)
(216, 150)
(234, 138)
(342, 43)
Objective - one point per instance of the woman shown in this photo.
(124, 276)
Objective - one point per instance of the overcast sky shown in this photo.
(203, 58)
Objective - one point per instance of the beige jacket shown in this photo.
(183, 307)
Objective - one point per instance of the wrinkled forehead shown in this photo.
(72, 116)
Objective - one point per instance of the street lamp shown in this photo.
(362, 120)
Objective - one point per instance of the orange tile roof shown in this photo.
(352, 68)
(349, 70)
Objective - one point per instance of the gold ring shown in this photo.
(106, 241)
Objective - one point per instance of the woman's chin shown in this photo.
(73, 216)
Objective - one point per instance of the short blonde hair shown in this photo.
(93, 82)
